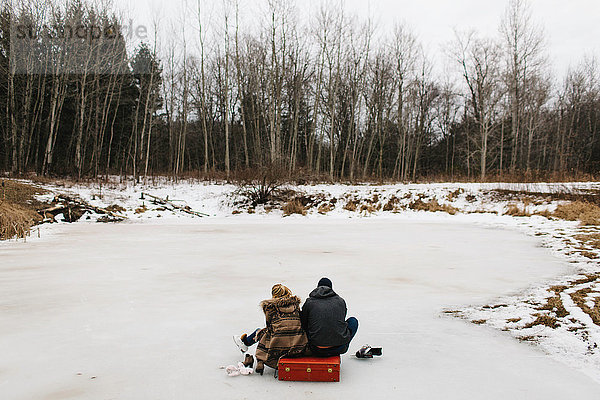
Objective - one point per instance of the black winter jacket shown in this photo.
(324, 318)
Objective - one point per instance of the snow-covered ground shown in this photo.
(223, 199)
(145, 309)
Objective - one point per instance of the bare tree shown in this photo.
(479, 60)
(523, 51)
(405, 50)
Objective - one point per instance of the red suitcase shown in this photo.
(311, 369)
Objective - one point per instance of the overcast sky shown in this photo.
(572, 26)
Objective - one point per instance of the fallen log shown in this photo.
(166, 202)
(73, 209)
(89, 207)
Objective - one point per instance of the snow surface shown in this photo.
(220, 199)
(147, 310)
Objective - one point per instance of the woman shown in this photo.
(283, 335)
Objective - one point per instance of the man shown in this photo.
(324, 320)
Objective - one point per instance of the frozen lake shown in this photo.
(147, 311)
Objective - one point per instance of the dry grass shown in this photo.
(489, 307)
(470, 198)
(543, 319)
(516, 211)
(369, 208)
(479, 321)
(325, 208)
(374, 199)
(16, 220)
(544, 213)
(580, 298)
(350, 205)
(527, 338)
(555, 308)
(592, 240)
(391, 204)
(453, 195)
(294, 206)
(587, 213)
(141, 209)
(18, 208)
(555, 305)
(589, 254)
(308, 201)
(19, 193)
(432, 206)
(117, 208)
(586, 279)
(452, 312)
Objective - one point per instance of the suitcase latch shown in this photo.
(308, 370)
(329, 370)
(287, 369)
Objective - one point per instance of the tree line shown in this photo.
(333, 97)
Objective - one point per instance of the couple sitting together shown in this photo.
(320, 329)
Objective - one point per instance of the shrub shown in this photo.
(262, 184)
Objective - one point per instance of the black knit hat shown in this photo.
(325, 282)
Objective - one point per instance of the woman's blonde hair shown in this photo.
(280, 290)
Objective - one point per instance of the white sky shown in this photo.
(572, 26)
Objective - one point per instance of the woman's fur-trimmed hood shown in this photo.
(280, 302)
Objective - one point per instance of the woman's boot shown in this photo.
(260, 367)
(248, 361)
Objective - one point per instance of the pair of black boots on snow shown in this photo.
(368, 352)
